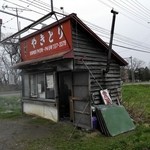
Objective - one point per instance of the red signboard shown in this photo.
(51, 41)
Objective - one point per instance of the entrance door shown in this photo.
(65, 88)
(81, 102)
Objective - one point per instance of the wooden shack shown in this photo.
(58, 65)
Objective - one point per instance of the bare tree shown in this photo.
(134, 65)
(137, 63)
(149, 65)
(9, 55)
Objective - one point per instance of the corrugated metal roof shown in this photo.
(73, 17)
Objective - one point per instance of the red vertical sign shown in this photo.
(51, 41)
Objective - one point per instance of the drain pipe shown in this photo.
(111, 40)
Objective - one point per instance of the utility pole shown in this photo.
(132, 70)
(0, 29)
(8, 13)
(52, 8)
(111, 40)
(18, 23)
(16, 9)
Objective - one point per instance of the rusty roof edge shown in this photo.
(30, 62)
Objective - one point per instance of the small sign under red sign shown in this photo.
(51, 41)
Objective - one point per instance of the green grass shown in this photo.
(137, 94)
(135, 97)
(10, 107)
(81, 140)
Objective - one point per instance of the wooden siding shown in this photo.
(95, 57)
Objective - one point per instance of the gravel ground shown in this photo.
(15, 134)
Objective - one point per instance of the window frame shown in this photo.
(36, 89)
(46, 82)
(37, 97)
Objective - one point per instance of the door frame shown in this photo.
(67, 76)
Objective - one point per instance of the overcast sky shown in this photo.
(132, 30)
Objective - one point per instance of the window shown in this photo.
(33, 85)
(40, 86)
(26, 88)
(49, 86)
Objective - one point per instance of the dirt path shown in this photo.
(15, 134)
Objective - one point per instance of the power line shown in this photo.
(46, 5)
(137, 20)
(27, 7)
(132, 6)
(34, 5)
(120, 38)
(122, 46)
(129, 48)
(101, 31)
(142, 6)
(138, 7)
(127, 9)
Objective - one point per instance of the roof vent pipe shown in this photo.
(111, 40)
